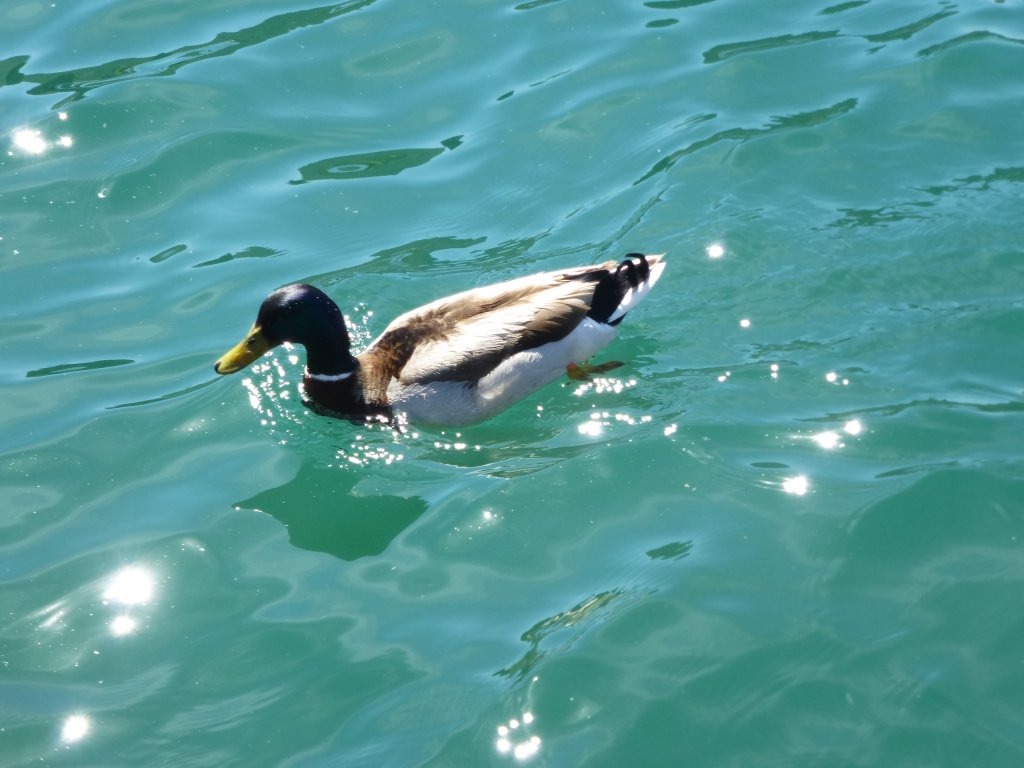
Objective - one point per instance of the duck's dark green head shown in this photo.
(301, 314)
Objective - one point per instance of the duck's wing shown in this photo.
(465, 336)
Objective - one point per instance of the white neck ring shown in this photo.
(328, 376)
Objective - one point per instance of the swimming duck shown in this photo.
(457, 360)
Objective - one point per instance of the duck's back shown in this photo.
(466, 357)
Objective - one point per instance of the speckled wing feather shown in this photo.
(465, 336)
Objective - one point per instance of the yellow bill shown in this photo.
(251, 348)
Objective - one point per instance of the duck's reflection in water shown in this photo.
(324, 513)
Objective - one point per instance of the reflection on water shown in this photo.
(252, 252)
(856, 605)
(677, 550)
(130, 586)
(831, 439)
(123, 625)
(75, 728)
(834, 378)
(720, 53)
(827, 439)
(92, 365)
(797, 486)
(323, 513)
(794, 121)
(29, 141)
(580, 615)
(600, 421)
(81, 81)
(389, 162)
(513, 739)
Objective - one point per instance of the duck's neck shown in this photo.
(338, 393)
(327, 351)
(329, 362)
(341, 394)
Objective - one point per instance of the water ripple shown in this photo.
(79, 82)
(740, 135)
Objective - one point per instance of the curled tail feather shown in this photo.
(622, 288)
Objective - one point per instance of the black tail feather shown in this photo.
(614, 285)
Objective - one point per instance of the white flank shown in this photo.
(451, 403)
(430, 398)
(635, 295)
(527, 371)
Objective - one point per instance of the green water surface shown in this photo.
(788, 532)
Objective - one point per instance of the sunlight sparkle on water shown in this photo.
(798, 486)
(75, 728)
(527, 749)
(55, 618)
(122, 625)
(29, 140)
(831, 439)
(130, 586)
(827, 440)
(601, 384)
(511, 739)
(715, 251)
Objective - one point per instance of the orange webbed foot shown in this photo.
(583, 371)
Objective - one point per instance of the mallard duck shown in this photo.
(457, 360)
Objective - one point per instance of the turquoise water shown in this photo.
(788, 532)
